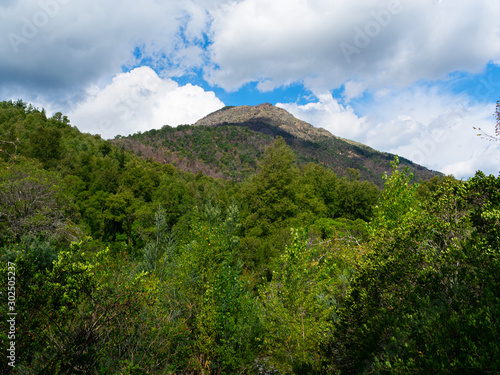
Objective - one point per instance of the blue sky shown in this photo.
(406, 77)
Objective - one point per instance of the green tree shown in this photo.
(141, 178)
(325, 184)
(398, 202)
(424, 299)
(299, 305)
(119, 215)
(87, 312)
(173, 196)
(209, 285)
(45, 143)
(159, 252)
(356, 198)
(271, 201)
(271, 194)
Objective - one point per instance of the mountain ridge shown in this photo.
(229, 143)
(264, 112)
(277, 117)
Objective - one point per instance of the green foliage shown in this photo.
(414, 291)
(322, 185)
(341, 227)
(271, 195)
(398, 202)
(40, 253)
(356, 198)
(294, 314)
(88, 313)
(45, 309)
(426, 298)
(45, 144)
(272, 201)
(209, 283)
(300, 304)
(141, 178)
(158, 253)
(281, 196)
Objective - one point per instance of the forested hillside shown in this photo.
(125, 265)
(230, 142)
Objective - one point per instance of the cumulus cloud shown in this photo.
(327, 43)
(59, 47)
(139, 101)
(329, 114)
(425, 125)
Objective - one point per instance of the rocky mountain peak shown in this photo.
(264, 114)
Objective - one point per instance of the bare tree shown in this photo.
(31, 201)
(490, 137)
(7, 147)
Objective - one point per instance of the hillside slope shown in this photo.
(229, 143)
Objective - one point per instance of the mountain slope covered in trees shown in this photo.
(230, 142)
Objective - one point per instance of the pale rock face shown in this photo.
(268, 114)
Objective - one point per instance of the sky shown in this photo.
(409, 77)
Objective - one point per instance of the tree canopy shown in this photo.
(125, 265)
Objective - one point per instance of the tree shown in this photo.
(490, 137)
(210, 289)
(120, 214)
(45, 143)
(9, 145)
(398, 201)
(272, 200)
(31, 202)
(88, 312)
(59, 117)
(318, 190)
(355, 198)
(271, 194)
(158, 252)
(424, 299)
(141, 178)
(173, 196)
(300, 304)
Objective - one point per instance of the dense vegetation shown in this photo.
(230, 143)
(128, 266)
(229, 151)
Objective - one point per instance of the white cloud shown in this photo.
(329, 114)
(424, 125)
(327, 43)
(59, 47)
(139, 101)
(353, 90)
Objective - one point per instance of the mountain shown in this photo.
(262, 118)
(229, 143)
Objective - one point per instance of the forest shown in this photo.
(116, 264)
(229, 143)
